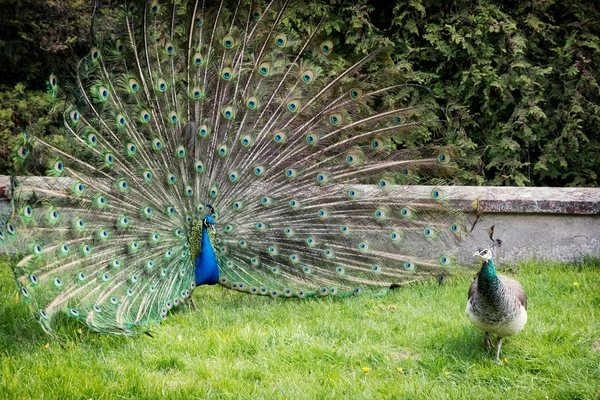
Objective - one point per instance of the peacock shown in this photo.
(496, 304)
(224, 145)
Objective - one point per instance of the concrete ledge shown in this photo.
(557, 224)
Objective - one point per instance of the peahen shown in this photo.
(496, 304)
(220, 145)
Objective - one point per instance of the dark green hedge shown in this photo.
(519, 79)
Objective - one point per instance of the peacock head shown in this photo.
(483, 255)
(209, 223)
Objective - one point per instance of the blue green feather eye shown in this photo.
(103, 93)
(198, 21)
(279, 137)
(189, 191)
(376, 268)
(266, 201)
(162, 85)
(147, 175)
(53, 81)
(37, 249)
(109, 159)
(171, 178)
(406, 212)
(257, 14)
(398, 120)
(409, 266)
(444, 158)
(213, 192)
(86, 250)
(95, 53)
(328, 253)
(92, 139)
(131, 149)
(247, 141)
(255, 261)
(56, 168)
(294, 203)
(264, 69)
(27, 212)
(22, 152)
(203, 131)
(322, 213)
(169, 48)
(78, 224)
(290, 172)
(157, 144)
(173, 118)
(429, 232)
(154, 8)
(293, 105)
(307, 270)
(199, 166)
(147, 211)
(180, 152)
(335, 119)
(312, 138)
(227, 73)
(363, 246)
(102, 234)
(380, 214)
(355, 93)
(252, 103)
(123, 185)
(78, 188)
(326, 47)
(223, 150)
(445, 260)
(437, 194)
(233, 176)
(63, 249)
(455, 228)
(289, 232)
(259, 170)
(237, 205)
(123, 221)
(377, 144)
(395, 236)
(345, 229)
(228, 42)
(307, 76)
(281, 40)
(198, 60)
(384, 183)
(261, 226)
(322, 178)
(133, 85)
(352, 158)
(74, 116)
(228, 112)
(53, 215)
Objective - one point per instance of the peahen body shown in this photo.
(219, 145)
(496, 304)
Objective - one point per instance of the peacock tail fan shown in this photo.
(305, 161)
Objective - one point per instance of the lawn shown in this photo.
(414, 343)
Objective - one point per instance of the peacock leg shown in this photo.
(498, 351)
(487, 341)
(193, 304)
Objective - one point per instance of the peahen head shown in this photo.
(483, 255)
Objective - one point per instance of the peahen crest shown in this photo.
(182, 112)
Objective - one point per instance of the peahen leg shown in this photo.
(487, 341)
(499, 346)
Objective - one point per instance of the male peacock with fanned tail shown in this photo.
(220, 144)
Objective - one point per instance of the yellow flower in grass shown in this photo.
(47, 346)
(400, 370)
(446, 373)
(505, 360)
(366, 369)
(576, 284)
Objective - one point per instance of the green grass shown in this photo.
(241, 346)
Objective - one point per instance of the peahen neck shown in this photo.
(207, 270)
(487, 280)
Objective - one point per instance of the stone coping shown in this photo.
(489, 199)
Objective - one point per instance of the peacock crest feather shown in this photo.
(178, 106)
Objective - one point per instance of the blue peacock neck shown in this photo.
(207, 270)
